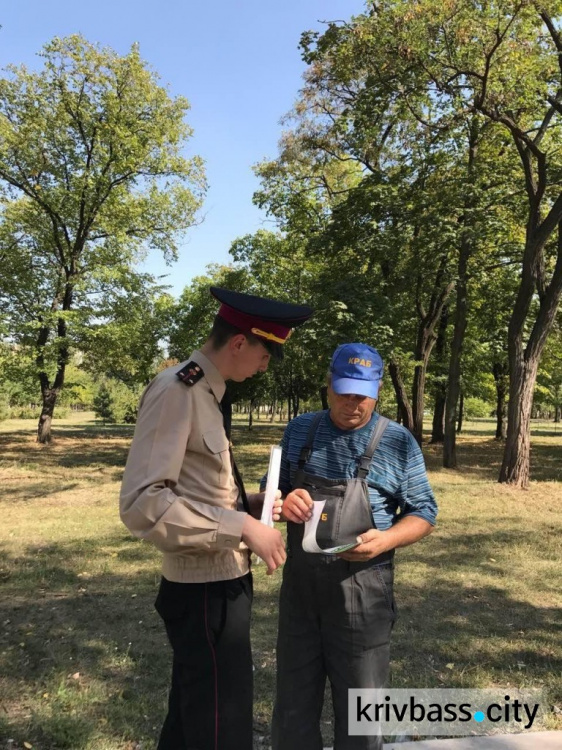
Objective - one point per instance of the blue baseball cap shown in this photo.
(357, 369)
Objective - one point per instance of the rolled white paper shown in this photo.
(272, 485)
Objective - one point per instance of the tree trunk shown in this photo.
(50, 392)
(418, 396)
(500, 371)
(515, 467)
(454, 379)
(50, 396)
(296, 405)
(273, 409)
(461, 414)
(461, 311)
(437, 431)
(404, 406)
(426, 339)
(524, 360)
(324, 397)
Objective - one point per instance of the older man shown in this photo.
(337, 610)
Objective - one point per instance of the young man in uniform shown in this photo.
(182, 491)
(337, 610)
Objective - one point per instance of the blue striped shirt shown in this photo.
(397, 478)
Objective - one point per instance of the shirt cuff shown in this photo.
(425, 515)
(229, 530)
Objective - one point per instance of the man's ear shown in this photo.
(236, 343)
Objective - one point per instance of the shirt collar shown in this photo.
(212, 375)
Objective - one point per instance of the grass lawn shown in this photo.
(84, 662)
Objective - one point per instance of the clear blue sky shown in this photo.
(238, 64)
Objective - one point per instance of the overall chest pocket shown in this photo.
(217, 457)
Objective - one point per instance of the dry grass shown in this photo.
(84, 659)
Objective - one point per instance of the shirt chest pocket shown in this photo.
(217, 453)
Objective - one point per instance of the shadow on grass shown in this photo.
(76, 450)
(96, 445)
(484, 630)
(31, 491)
(98, 430)
(480, 458)
(483, 458)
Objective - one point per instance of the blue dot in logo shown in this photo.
(479, 716)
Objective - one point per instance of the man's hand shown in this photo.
(297, 506)
(373, 543)
(266, 542)
(255, 501)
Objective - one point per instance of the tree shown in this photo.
(92, 173)
(369, 189)
(103, 404)
(504, 63)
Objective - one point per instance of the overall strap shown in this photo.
(365, 460)
(306, 450)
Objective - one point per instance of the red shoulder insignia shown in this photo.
(191, 373)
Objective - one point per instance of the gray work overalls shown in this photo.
(335, 620)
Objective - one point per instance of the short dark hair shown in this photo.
(222, 331)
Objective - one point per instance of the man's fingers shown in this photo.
(303, 494)
(275, 561)
(368, 536)
(294, 515)
(298, 507)
(277, 509)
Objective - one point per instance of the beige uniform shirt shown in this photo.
(178, 489)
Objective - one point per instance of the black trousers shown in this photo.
(210, 703)
(335, 621)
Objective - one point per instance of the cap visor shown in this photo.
(344, 386)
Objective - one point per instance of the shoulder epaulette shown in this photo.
(190, 374)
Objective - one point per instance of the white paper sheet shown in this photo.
(309, 539)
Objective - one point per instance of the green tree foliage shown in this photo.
(92, 173)
(191, 317)
(103, 404)
(114, 402)
(127, 342)
(388, 196)
(423, 153)
(475, 408)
